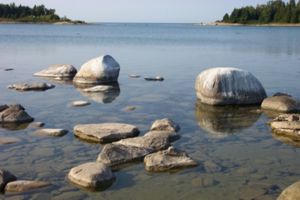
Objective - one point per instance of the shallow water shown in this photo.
(244, 160)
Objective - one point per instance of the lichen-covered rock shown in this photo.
(14, 114)
(167, 160)
(92, 175)
(31, 86)
(5, 177)
(291, 193)
(58, 71)
(165, 125)
(104, 69)
(229, 86)
(105, 132)
(281, 103)
(25, 185)
(116, 154)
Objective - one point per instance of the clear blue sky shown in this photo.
(141, 10)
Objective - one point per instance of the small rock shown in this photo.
(212, 167)
(99, 88)
(291, 192)
(31, 86)
(165, 125)
(157, 78)
(281, 103)
(8, 69)
(105, 132)
(5, 177)
(37, 124)
(116, 154)
(51, 132)
(58, 71)
(8, 140)
(129, 108)
(14, 114)
(80, 103)
(167, 160)
(92, 175)
(134, 76)
(24, 185)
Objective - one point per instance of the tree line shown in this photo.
(38, 13)
(276, 11)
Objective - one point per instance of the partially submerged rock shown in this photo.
(8, 69)
(80, 103)
(51, 132)
(105, 132)
(58, 71)
(129, 108)
(14, 114)
(92, 175)
(229, 86)
(157, 78)
(37, 124)
(5, 177)
(281, 103)
(31, 86)
(8, 140)
(134, 76)
(167, 160)
(104, 69)
(291, 192)
(116, 154)
(98, 88)
(25, 185)
(165, 125)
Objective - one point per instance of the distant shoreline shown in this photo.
(54, 23)
(259, 25)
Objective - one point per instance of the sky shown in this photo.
(182, 11)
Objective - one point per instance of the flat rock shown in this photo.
(103, 69)
(58, 71)
(116, 154)
(51, 132)
(129, 108)
(105, 132)
(99, 88)
(291, 193)
(5, 177)
(134, 76)
(281, 103)
(92, 175)
(37, 124)
(25, 185)
(80, 103)
(14, 114)
(8, 140)
(167, 160)
(165, 125)
(157, 78)
(229, 86)
(31, 86)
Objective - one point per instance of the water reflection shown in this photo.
(14, 126)
(221, 121)
(286, 139)
(105, 96)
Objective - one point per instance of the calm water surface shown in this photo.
(238, 156)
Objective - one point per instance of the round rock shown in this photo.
(92, 175)
(105, 132)
(229, 86)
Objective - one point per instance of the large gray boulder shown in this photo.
(14, 114)
(229, 86)
(281, 103)
(105, 132)
(58, 71)
(31, 86)
(92, 175)
(291, 193)
(104, 69)
(25, 185)
(167, 160)
(5, 177)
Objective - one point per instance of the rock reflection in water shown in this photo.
(14, 126)
(221, 121)
(108, 95)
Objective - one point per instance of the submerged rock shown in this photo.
(58, 71)
(281, 103)
(165, 125)
(105, 132)
(291, 193)
(25, 185)
(80, 103)
(116, 154)
(104, 69)
(229, 86)
(14, 114)
(167, 160)
(37, 124)
(51, 132)
(8, 140)
(31, 86)
(129, 108)
(5, 177)
(157, 78)
(92, 175)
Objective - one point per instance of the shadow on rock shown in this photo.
(221, 121)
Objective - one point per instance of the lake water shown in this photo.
(243, 159)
